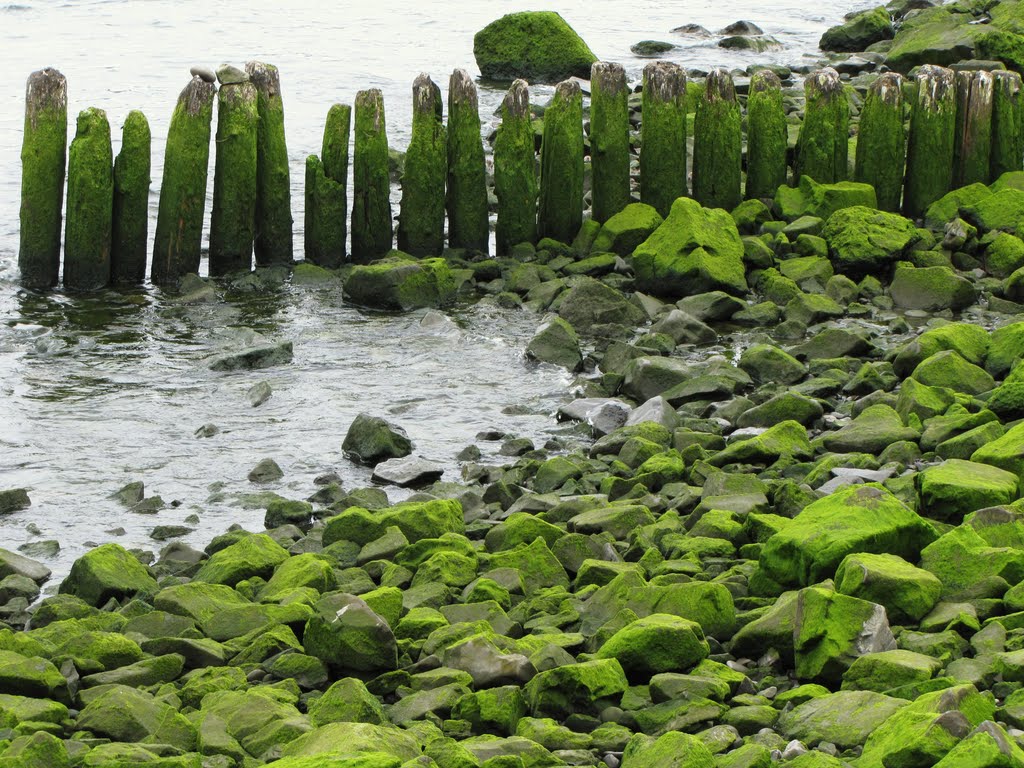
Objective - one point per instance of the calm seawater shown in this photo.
(99, 391)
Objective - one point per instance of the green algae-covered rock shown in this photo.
(1006, 452)
(538, 46)
(787, 439)
(590, 302)
(831, 630)
(864, 518)
(120, 713)
(948, 369)
(809, 198)
(347, 700)
(931, 288)
(946, 208)
(907, 592)
(969, 566)
(671, 750)
(562, 691)
(38, 750)
(858, 32)
(656, 643)
(625, 230)
(987, 745)
(345, 633)
(695, 250)
(1006, 347)
(255, 720)
(306, 570)
(846, 718)
(495, 710)
(956, 488)
(862, 240)
(877, 427)
(198, 601)
(969, 341)
(31, 676)
(401, 282)
(556, 342)
(353, 739)
(97, 651)
(255, 555)
(108, 571)
(1003, 210)
(889, 669)
(416, 520)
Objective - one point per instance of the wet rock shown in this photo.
(556, 342)
(255, 358)
(14, 500)
(741, 28)
(401, 282)
(538, 46)
(229, 74)
(371, 440)
(12, 563)
(651, 48)
(259, 393)
(858, 32)
(265, 471)
(407, 472)
(108, 571)
(346, 634)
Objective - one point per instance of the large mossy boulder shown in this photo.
(956, 488)
(538, 46)
(809, 198)
(400, 281)
(695, 250)
(254, 555)
(862, 518)
(125, 714)
(415, 519)
(845, 718)
(353, 739)
(625, 230)
(931, 288)
(31, 676)
(589, 302)
(907, 592)
(656, 643)
(860, 31)
(877, 427)
(864, 241)
(349, 636)
(576, 688)
(1006, 452)
(957, 31)
(108, 571)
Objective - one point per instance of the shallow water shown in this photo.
(97, 392)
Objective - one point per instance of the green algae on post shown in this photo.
(43, 162)
(467, 172)
(663, 136)
(767, 135)
(930, 143)
(1007, 124)
(273, 244)
(717, 144)
(90, 203)
(421, 218)
(233, 221)
(515, 174)
(972, 147)
(822, 150)
(131, 202)
(881, 143)
(327, 192)
(609, 140)
(560, 212)
(371, 185)
(179, 223)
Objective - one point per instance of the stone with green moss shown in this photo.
(931, 288)
(326, 215)
(90, 204)
(560, 208)
(1007, 124)
(492, 710)
(889, 669)
(417, 520)
(130, 217)
(609, 140)
(822, 148)
(865, 518)
(955, 488)
(881, 141)
(108, 571)
(968, 340)
(627, 229)
(38, 750)
(347, 700)
(399, 281)
(255, 555)
(787, 439)
(656, 643)
(907, 592)
(948, 369)
(233, 220)
(1002, 210)
(347, 635)
(670, 750)
(582, 687)
(859, 31)
(767, 136)
(695, 250)
(371, 202)
(556, 342)
(179, 223)
(930, 147)
(33, 676)
(99, 651)
(809, 198)
(864, 241)
(120, 713)
(305, 570)
(717, 148)
(968, 566)
(846, 718)
(538, 46)
(466, 201)
(515, 175)
(988, 744)
(663, 136)
(43, 162)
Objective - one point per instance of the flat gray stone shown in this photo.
(13, 563)
(229, 74)
(204, 73)
(254, 358)
(407, 472)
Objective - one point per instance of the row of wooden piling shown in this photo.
(964, 127)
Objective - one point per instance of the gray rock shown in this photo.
(651, 48)
(13, 563)
(14, 500)
(657, 410)
(15, 586)
(556, 342)
(254, 358)
(46, 548)
(229, 74)
(684, 328)
(408, 472)
(265, 471)
(259, 393)
(207, 430)
(165, 532)
(488, 665)
(204, 73)
(371, 440)
(131, 494)
(696, 30)
(742, 28)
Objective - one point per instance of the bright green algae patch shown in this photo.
(538, 46)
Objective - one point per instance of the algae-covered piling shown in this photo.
(930, 144)
(972, 147)
(327, 192)
(273, 244)
(371, 204)
(131, 202)
(609, 140)
(43, 162)
(560, 211)
(767, 135)
(421, 218)
(467, 173)
(881, 143)
(515, 174)
(90, 204)
(823, 147)
(663, 136)
(179, 223)
(1007, 124)
(718, 144)
(233, 221)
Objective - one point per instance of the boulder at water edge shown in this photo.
(538, 46)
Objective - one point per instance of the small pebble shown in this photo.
(206, 74)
